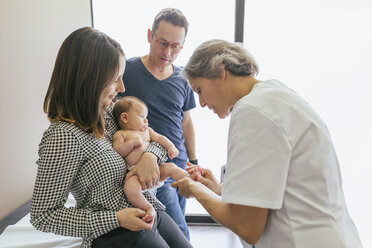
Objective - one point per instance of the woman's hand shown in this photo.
(131, 219)
(184, 186)
(147, 170)
(207, 178)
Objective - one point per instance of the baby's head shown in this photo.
(131, 113)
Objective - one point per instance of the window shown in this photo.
(127, 22)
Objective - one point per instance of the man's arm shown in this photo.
(247, 222)
(189, 135)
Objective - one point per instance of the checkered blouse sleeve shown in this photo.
(60, 157)
(72, 160)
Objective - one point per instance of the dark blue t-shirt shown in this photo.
(166, 99)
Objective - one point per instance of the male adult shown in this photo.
(155, 80)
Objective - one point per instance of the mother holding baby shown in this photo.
(76, 154)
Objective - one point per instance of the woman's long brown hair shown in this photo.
(87, 61)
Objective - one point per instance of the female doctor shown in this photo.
(282, 186)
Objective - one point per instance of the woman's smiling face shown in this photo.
(115, 86)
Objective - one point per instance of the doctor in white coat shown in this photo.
(282, 186)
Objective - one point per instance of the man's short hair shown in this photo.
(172, 15)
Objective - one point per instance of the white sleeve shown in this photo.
(257, 160)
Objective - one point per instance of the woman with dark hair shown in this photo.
(76, 154)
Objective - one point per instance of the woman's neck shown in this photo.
(242, 85)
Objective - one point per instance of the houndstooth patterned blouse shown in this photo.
(72, 160)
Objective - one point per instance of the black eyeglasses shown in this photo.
(163, 44)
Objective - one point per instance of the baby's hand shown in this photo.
(137, 142)
(173, 152)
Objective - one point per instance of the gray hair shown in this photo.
(207, 59)
(171, 15)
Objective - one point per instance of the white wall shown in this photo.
(31, 34)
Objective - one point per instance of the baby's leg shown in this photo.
(133, 191)
(171, 170)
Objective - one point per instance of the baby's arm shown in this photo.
(123, 146)
(164, 142)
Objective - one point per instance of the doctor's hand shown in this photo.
(207, 178)
(147, 170)
(184, 186)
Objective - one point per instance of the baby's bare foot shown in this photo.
(197, 171)
(150, 215)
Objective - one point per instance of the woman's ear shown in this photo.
(149, 35)
(124, 117)
(222, 72)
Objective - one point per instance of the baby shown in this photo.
(132, 140)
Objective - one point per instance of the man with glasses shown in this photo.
(155, 80)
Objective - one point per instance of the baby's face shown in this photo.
(137, 117)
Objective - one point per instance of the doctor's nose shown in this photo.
(202, 102)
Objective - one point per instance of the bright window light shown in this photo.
(321, 48)
(128, 22)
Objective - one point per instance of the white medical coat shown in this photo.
(281, 157)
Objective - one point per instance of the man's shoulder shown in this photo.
(178, 69)
(178, 76)
(132, 68)
(133, 60)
